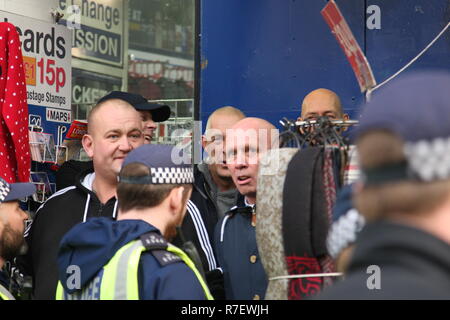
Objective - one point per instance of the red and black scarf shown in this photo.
(307, 200)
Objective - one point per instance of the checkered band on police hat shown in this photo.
(429, 160)
(4, 189)
(343, 232)
(172, 175)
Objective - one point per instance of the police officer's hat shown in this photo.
(15, 191)
(164, 162)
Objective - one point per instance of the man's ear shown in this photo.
(204, 142)
(88, 145)
(345, 118)
(176, 199)
(300, 128)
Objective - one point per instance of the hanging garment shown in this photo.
(15, 155)
(269, 237)
(305, 221)
(330, 186)
(352, 172)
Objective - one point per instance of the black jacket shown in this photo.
(413, 264)
(67, 174)
(200, 221)
(54, 218)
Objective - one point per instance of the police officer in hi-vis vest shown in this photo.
(131, 258)
(12, 226)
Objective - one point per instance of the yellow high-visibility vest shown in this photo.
(5, 294)
(119, 278)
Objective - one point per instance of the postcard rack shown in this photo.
(43, 148)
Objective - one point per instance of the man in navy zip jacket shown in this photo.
(235, 236)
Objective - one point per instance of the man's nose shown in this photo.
(150, 124)
(24, 215)
(125, 144)
(222, 158)
(241, 163)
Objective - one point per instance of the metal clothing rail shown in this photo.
(310, 275)
(342, 123)
(321, 131)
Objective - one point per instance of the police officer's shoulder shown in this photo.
(172, 281)
(157, 246)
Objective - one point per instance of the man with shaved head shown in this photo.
(243, 152)
(235, 236)
(213, 195)
(326, 103)
(322, 102)
(215, 170)
(114, 129)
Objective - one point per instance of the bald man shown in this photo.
(322, 102)
(215, 170)
(235, 236)
(114, 129)
(213, 195)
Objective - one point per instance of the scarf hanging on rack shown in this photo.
(305, 221)
(269, 232)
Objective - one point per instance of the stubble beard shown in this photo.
(171, 230)
(12, 243)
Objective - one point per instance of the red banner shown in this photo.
(348, 43)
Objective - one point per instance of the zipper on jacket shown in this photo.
(100, 210)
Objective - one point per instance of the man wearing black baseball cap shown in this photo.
(12, 224)
(150, 112)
